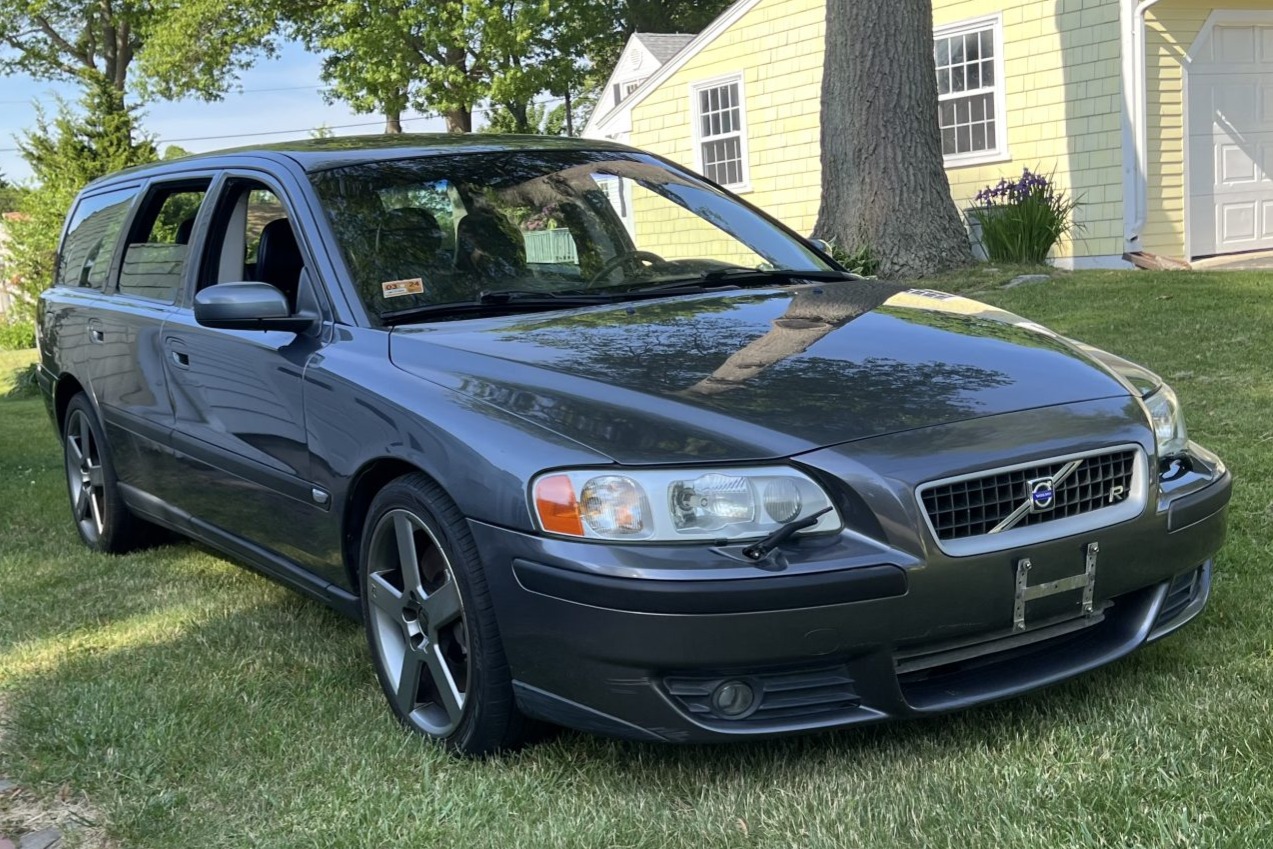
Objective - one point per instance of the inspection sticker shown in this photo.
(398, 288)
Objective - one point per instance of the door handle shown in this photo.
(95, 333)
(177, 352)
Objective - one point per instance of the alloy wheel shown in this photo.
(84, 475)
(418, 626)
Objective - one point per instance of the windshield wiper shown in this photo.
(785, 273)
(514, 300)
(734, 278)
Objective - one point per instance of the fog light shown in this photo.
(733, 699)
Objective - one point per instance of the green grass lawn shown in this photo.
(198, 705)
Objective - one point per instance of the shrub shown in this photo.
(23, 383)
(861, 261)
(1022, 221)
(16, 335)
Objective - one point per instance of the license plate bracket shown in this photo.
(1025, 591)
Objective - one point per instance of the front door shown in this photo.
(239, 416)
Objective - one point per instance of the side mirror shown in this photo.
(248, 306)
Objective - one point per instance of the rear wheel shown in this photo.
(101, 517)
(430, 624)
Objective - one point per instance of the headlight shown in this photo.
(1159, 399)
(1168, 421)
(677, 505)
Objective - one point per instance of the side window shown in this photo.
(90, 240)
(251, 239)
(158, 242)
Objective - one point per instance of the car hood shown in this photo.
(754, 374)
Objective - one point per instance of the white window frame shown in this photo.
(994, 23)
(699, 138)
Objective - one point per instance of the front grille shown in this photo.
(974, 507)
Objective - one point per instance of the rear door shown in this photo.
(126, 369)
(237, 398)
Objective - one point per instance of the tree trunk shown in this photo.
(393, 122)
(883, 182)
(459, 120)
(520, 112)
(570, 115)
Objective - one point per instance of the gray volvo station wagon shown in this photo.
(582, 438)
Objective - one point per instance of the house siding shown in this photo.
(1171, 27)
(777, 47)
(1062, 71)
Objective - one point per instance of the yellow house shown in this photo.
(1156, 114)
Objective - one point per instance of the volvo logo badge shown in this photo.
(1040, 497)
(1042, 494)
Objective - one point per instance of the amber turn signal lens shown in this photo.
(557, 506)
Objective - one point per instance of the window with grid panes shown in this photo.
(718, 112)
(969, 74)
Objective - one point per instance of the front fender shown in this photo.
(359, 410)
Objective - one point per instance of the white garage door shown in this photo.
(1231, 142)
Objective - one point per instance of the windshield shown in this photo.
(458, 228)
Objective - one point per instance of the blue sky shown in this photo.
(279, 94)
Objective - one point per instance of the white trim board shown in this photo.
(1105, 262)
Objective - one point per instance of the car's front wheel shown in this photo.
(101, 517)
(430, 624)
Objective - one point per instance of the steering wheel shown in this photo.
(625, 258)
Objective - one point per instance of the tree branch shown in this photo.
(62, 44)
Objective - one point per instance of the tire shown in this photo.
(104, 522)
(430, 624)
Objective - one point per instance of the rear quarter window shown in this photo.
(85, 258)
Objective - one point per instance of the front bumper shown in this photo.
(632, 641)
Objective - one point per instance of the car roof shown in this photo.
(322, 154)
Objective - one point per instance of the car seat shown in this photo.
(490, 246)
(278, 259)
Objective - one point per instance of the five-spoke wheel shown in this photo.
(102, 518)
(418, 622)
(84, 475)
(429, 621)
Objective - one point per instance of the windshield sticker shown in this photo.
(398, 288)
